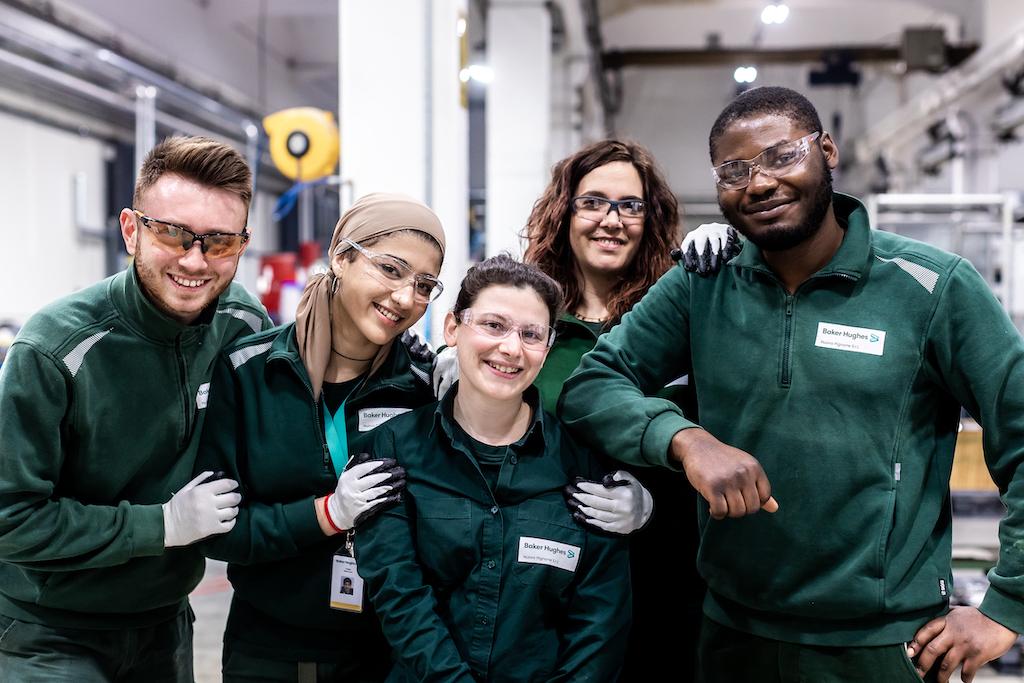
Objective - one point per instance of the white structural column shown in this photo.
(403, 126)
(518, 117)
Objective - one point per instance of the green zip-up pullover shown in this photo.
(473, 583)
(101, 400)
(265, 429)
(848, 392)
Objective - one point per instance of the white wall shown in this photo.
(42, 256)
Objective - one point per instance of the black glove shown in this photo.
(706, 248)
(417, 347)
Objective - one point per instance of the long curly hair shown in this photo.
(547, 230)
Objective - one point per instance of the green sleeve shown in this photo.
(386, 556)
(599, 614)
(608, 402)
(40, 529)
(979, 356)
(263, 531)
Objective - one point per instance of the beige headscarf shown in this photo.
(372, 216)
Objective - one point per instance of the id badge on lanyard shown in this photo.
(346, 585)
(346, 591)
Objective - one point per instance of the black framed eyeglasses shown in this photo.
(773, 162)
(596, 208)
(213, 244)
(394, 273)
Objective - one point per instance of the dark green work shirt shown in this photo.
(472, 583)
(265, 430)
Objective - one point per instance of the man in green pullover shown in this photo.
(830, 363)
(103, 394)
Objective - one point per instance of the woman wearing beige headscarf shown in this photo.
(287, 408)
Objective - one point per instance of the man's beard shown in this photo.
(783, 237)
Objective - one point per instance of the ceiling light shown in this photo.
(745, 74)
(775, 13)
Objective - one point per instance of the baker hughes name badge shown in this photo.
(346, 586)
(552, 553)
(847, 338)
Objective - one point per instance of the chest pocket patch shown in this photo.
(371, 418)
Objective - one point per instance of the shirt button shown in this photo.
(483, 620)
(494, 510)
(514, 460)
(490, 564)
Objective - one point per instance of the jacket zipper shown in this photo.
(786, 371)
(785, 378)
(183, 378)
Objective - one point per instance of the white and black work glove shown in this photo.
(417, 346)
(446, 371)
(707, 247)
(618, 504)
(366, 486)
(201, 508)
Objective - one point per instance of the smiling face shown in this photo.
(180, 284)
(366, 312)
(607, 247)
(776, 214)
(498, 369)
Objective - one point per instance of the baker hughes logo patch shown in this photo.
(847, 338)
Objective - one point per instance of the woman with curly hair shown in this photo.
(604, 230)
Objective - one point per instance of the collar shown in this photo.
(398, 369)
(852, 259)
(531, 443)
(569, 326)
(139, 312)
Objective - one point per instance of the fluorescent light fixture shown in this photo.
(745, 74)
(775, 13)
(477, 72)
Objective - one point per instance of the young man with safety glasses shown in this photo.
(830, 362)
(103, 395)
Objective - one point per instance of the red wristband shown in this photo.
(327, 514)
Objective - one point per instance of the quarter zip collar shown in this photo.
(853, 258)
(146, 319)
(531, 443)
(396, 370)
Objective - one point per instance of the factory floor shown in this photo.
(213, 596)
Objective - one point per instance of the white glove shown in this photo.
(708, 246)
(446, 371)
(619, 504)
(364, 486)
(199, 510)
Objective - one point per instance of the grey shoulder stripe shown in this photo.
(926, 278)
(239, 357)
(421, 374)
(247, 317)
(74, 360)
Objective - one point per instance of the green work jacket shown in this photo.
(265, 430)
(102, 397)
(848, 392)
(474, 584)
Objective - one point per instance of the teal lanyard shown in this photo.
(337, 437)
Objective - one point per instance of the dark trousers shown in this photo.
(667, 590)
(34, 653)
(729, 656)
(241, 667)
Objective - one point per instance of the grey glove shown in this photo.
(199, 510)
(367, 486)
(707, 247)
(446, 371)
(618, 504)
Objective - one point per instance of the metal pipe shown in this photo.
(145, 122)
